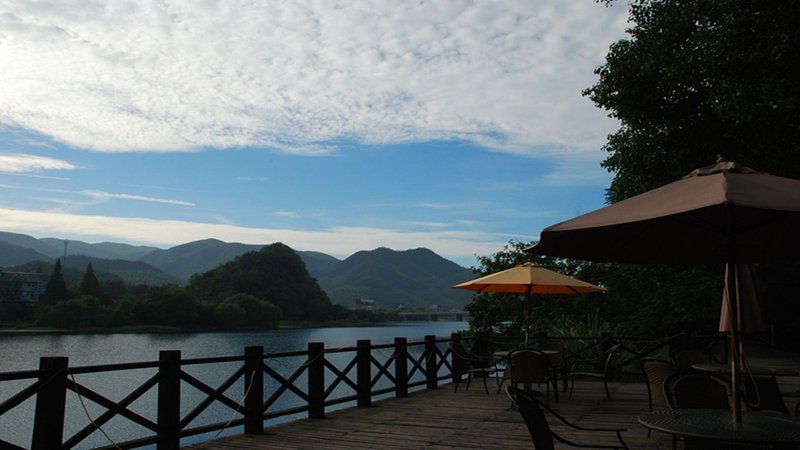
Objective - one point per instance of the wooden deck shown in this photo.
(443, 419)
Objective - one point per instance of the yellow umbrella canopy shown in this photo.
(529, 279)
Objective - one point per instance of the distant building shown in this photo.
(32, 285)
(365, 303)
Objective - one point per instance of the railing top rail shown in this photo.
(20, 375)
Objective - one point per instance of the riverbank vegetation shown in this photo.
(253, 292)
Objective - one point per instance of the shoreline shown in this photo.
(170, 330)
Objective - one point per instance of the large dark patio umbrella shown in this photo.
(529, 279)
(724, 213)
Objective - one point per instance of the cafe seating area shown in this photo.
(470, 419)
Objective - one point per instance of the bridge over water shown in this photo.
(434, 316)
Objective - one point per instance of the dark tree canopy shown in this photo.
(699, 78)
(56, 289)
(89, 283)
(274, 274)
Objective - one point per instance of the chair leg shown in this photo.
(555, 385)
(571, 387)
(608, 394)
(555, 389)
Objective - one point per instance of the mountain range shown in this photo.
(417, 278)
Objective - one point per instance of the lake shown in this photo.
(22, 352)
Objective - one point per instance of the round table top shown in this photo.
(504, 353)
(717, 424)
(724, 369)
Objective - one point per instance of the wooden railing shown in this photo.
(362, 372)
(317, 378)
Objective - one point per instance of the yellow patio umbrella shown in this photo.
(529, 279)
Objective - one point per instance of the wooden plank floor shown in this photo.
(443, 419)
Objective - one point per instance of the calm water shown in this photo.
(23, 352)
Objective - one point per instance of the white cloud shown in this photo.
(460, 246)
(103, 196)
(21, 163)
(289, 214)
(299, 75)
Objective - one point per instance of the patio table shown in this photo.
(725, 369)
(699, 427)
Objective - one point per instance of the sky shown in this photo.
(329, 126)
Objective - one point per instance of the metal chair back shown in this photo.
(657, 371)
(697, 390)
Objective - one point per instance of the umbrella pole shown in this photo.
(731, 288)
(527, 314)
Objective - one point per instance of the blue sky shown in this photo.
(456, 126)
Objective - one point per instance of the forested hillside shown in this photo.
(416, 278)
(276, 274)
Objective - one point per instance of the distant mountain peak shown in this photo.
(413, 278)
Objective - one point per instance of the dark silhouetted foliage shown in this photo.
(56, 289)
(275, 274)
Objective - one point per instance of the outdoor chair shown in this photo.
(697, 390)
(543, 437)
(528, 367)
(685, 358)
(558, 360)
(597, 368)
(467, 363)
(797, 407)
(763, 394)
(656, 371)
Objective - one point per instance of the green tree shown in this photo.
(698, 78)
(56, 289)
(10, 288)
(167, 306)
(245, 311)
(89, 283)
(275, 273)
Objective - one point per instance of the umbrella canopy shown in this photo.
(529, 279)
(724, 213)
(751, 319)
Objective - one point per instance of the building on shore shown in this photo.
(30, 288)
(365, 303)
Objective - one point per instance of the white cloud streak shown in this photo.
(300, 75)
(103, 196)
(21, 163)
(460, 246)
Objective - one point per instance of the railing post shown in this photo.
(431, 374)
(51, 400)
(316, 380)
(254, 390)
(459, 365)
(169, 399)
(364, 373)
(401, 367)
